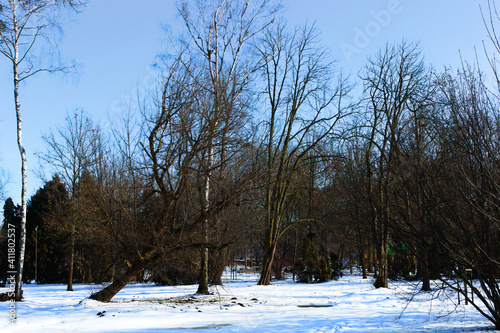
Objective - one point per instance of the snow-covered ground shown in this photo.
(350, 304)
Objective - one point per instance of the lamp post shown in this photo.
(36, 254)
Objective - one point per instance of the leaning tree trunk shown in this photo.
(22, 245)
(110, 291)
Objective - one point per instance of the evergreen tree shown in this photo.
(11, 217)
(47, 210)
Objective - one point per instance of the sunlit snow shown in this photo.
(350, 304)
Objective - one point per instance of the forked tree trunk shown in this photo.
(267, 264)
(218, 263)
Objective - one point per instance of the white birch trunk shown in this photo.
(22, 245)
(203, 285)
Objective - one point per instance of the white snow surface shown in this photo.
(350, 304)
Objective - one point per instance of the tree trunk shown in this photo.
(424, 258)
(71, 261)
(203, 284)
(218, 263)
(370, 259)
(363, 263)
(22, 245)
(110, 291)
(267, 263)
(277, 267)
(382, 280)
(424, 265)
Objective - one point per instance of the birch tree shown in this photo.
(219, 36)
(25, 24)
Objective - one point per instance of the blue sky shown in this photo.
(115, 46)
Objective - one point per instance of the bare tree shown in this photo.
(350, 180)
(413, 201)
(142, 190)
(491, 20)
(72, 150)
(4, 180)
(302, 109)
(468, 190)
(23, 24)
(392, 80)
(220, 34)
